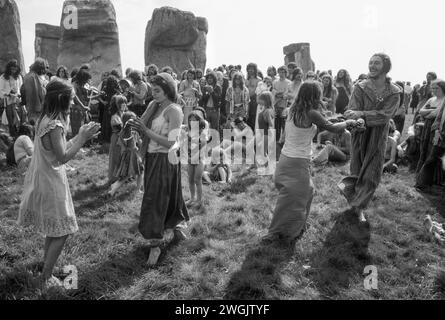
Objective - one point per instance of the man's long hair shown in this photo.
(387, 64)
(308, 98)
(239, 76)
(39, 66)
(254, 67)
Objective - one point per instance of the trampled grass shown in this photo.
(223, 256)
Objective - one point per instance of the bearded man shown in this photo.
(374, 100)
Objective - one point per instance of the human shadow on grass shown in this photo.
(101, 282)
(98, 198)
(344, 255)
(436, 199)
(259, 276)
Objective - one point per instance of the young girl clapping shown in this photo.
(130, 162)
(46, 200)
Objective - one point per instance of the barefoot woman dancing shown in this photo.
(292, 176)
(163, 209)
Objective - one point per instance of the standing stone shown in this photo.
(10, 35)
(89, 34)
(300, 53)
(47, 44)
(177, 39)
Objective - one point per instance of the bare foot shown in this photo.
(190, 202)
(52, 282)
(154, 256)
(361, 216)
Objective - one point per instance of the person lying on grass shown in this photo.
(46, 200)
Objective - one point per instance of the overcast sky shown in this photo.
(342, 33)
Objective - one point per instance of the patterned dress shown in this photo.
(46, 201)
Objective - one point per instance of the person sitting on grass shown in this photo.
(337, 147)
(24, 147)
(390, 165)
(130, 162)
(241, 142)
(46, 200)
(409, 150)
(218, 169)
(394, 133)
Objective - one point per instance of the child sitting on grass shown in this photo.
(130, 162)
(219, 168)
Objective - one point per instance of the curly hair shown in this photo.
(255, 69)
(387, 65)
(346, 80)
(8, 71)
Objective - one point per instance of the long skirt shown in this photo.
(367, 160)
(296, 191)
(426, 147)
(106, 131)
(163, 206)
(113, 157)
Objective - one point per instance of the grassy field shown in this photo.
(223, 257)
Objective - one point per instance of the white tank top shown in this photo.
(298, 141)
(159, 126)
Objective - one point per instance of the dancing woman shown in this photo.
(292, 176)
(163, 208)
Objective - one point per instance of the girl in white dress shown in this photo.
(46, 200)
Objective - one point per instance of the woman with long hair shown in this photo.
(343, 84)
(163, 210)
(62, 74)
(292, 176)
(330, 93)
(190, 90)
(297, 80)
(237, 98)
(10, 83)
(46, 200)
(428, 170)
(80, 113)
(111, 88)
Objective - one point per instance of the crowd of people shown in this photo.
(155, 121)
